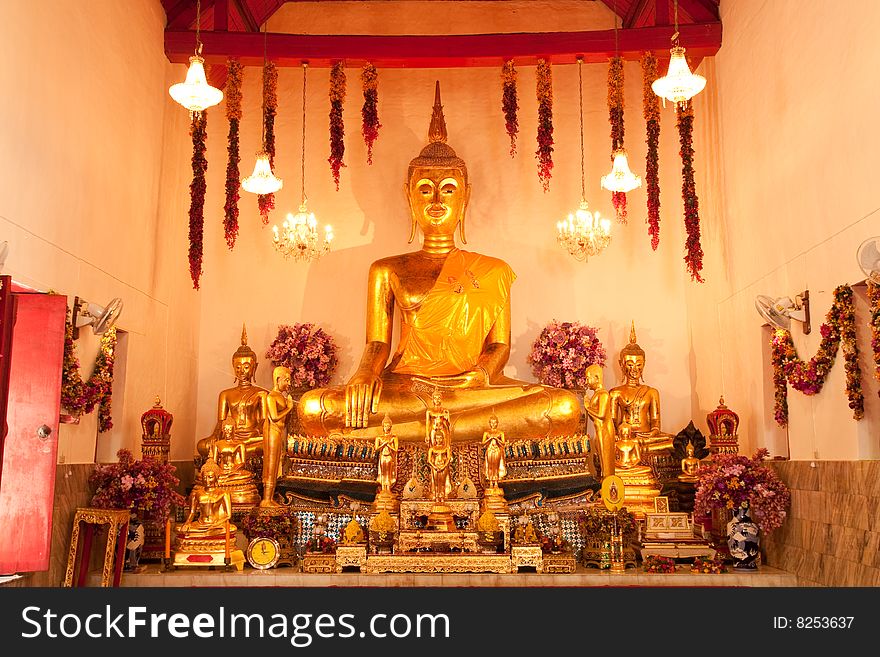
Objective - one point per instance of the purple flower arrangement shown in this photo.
(308, 351)
(731, 481)
(148, 486)
(563, 351)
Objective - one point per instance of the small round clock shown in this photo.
(263, 552)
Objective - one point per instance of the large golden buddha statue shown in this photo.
(454, 307)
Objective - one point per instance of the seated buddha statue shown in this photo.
(454, 309)
(230, 454)
(210, 507)
(244, 404)
(690, 466)
(635, 406)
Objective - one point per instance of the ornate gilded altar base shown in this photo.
(440, 563)
(386, 501)
(493, 499)
(440, 519)
(640, 489)
(209, 551)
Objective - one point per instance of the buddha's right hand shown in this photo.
(361, 398)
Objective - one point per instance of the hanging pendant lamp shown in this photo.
(621, 179)
(195, 94)
(679, 85)
(262, 180)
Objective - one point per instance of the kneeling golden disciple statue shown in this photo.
(454, 308)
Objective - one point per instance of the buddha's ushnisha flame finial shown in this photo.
(437, 129)
(632, 333)
(243, 335)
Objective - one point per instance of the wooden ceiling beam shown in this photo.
(183, 14)
(635, 16)
(440, 51)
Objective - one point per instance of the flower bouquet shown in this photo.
(713, 566)
(657, 564)
(147, 487)
(323, 544)
(278, 526)
(732, 481)
(563, 351)
(308, 351)
(596, 524)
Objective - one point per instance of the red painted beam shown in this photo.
(701, 40)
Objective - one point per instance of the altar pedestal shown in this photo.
(351, 556)
(526, 556)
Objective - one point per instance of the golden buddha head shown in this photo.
(594, 376)
(386, 423)
(244, 360)
(210, 472)
(281, 378)
(493, 422)
(437, 398)
(436, 186)
(632, 357)
(690, 449)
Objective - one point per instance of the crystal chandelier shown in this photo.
(583, 234)
(621, 179)
(262, 180)
(298, 236)
(195, 94)
(679, 85)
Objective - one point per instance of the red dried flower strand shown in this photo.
(370, 110)
(233, 176)
(694, 251)
(651, 104)
(199, 133)
(337, 126)
(544, 154)
(266, 202)
(510, 103)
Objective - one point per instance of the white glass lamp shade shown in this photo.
(262, 180)
(621, 179)
(679, 85)
(195, 94)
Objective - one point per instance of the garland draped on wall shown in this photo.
(78, 396)
(337, 126)
(199, 132)
(370, 111)
(233, 182)
(694, 255)
(615, 116)
(509, 103)
(544, 92)
(266, 202)
(874, 299)
(651, 104)
(809, 377)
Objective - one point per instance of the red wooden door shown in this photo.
(33, 352)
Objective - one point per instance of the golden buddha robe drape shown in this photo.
(445, 332)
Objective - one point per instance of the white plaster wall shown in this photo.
(509, 215)
(788, 127)
(86, 202)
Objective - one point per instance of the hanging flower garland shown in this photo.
(544, 92)
(233, 182)
(652, 167)
(80, 397)
(370, 111)
(809, 377)
(615, 116)
(694, 256)
(337, 126)
(874, 298)
(509, 103)
(266, 202)
(199, 132)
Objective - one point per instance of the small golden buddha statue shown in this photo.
(386, 447)
(454, 308)
(525, 533)
(494, 443)
(635, 412)
(599, 411)
(439, 458)
(244, 404)
(690, 464)
(234, 477)
(279, 404)
(210, 507)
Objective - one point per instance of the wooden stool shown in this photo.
(117, 519)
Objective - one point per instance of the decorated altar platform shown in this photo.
(582, 577)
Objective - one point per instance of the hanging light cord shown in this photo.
(198, 26)
(675, 34)
(616, 43)
(305, 66)
(265, 60)
(580, 60)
